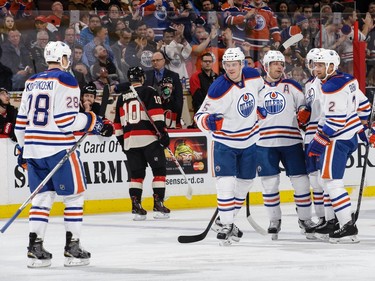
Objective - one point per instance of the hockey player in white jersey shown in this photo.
(229, 112)
(308, 117)
(47, 118)
(281, 141)
(336, 138)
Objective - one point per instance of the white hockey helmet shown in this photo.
(55, 51)
(233, 54)
(311, 55)
(328, 57)
(271, 56)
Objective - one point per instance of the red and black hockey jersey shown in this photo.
(131, 121)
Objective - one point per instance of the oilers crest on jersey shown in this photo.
(246, 104)
(274, 102)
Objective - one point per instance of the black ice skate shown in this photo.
(346, 234)
(322, 232)
(236, 234)
(137, 210)
(228, 234)
(74, 254)
(160, 211)
(308, 228)
(38, 256)
(217, 225)
(321, 221)
(274, 229)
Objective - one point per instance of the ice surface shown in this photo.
(123, 249)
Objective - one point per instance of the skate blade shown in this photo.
(225, 243)
(139, 217)
(160, 216)
(36, 263)
(344, 240)
(216, 228)
(235, 239)
(322, 237)
(71, 262)
(310, 236)
(274, 236)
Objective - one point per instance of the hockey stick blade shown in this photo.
(201, 236)
(291, 41)
(252, 222)
(189, 192)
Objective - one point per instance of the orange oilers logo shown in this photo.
(246, 104)
(274, 102)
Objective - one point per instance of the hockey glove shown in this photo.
(8, 128)
(213, 122)
(318, 144)
(262, 112)
(21, 161)
(9, 131)
(108, 128)
(94, 123)
(372, 136)
(164, 138)
(362, 134)
(303, 115)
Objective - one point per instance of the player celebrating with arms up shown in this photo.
(229, 111)
(48, 116)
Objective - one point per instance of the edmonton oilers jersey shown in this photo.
(314, 100)
(238, 103)
(344, 107)
(281, 100)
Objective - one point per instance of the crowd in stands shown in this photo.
(109, 36)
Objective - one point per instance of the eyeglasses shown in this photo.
(156, 60)
(207, 61)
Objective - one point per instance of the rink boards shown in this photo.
(107, 187)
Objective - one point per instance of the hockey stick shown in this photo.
(362, 185)
(201, 236)
(58, 165)
(364, 169)
(291, 41)
(189, 192)
(252, 222)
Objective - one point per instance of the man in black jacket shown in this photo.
(154, 76)
(201, 80)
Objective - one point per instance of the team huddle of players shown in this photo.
(258, 123)
(255, 122)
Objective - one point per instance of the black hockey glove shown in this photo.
(164, 138)
(108, 128)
